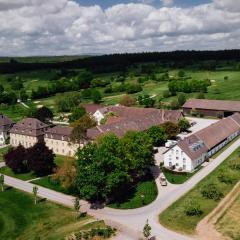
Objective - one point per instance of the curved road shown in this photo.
(131, 222)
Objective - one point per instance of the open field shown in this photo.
(21, 219)
(225, 177)
(228, 224)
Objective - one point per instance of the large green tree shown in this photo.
(157, 135)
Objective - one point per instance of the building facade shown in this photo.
(5, 126)
(58, 139)
(27, 132)
(214, 108)
(192, 151)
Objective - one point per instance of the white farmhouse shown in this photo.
(192, 151)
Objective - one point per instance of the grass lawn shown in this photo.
(228, 224)
(23, 176)
(15, 112)
(21, 219)
(48, 182)
(175, 216)
(2, 152)
(178, 178)
(143, 194)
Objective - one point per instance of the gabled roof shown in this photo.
(137, 122)
(59, 132)
(30, 127)
(5, 120)
(220, 105)
(92, 108)
(5, 123)
(209, 137)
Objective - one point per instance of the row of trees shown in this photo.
(188, 86)
(38, 159)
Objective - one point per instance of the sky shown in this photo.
(72, 27)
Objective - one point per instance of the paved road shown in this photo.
(131, 222)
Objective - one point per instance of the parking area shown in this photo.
(199, 124)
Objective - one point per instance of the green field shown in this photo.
(21, 219)
(219, 89)
(143, 194)
(175, 217)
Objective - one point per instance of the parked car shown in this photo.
(163, 180)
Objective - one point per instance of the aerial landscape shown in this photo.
(119, 120)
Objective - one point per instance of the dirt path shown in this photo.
(206, 228)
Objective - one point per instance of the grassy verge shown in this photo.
(228, 224)
(225, 177)
(178, 177)
(142, 194)
(21, 219)
(48, 182)
(2, 152)
(23, 176)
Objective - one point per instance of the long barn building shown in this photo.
(214, 108)
(192, 151)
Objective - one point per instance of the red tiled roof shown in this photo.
(29, 127)
(220, 105)
(59, 132)
(210, 136)
(137, 122)
(5, 123)
(92, 108)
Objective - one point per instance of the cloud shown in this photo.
(167, 2)
(43, 27)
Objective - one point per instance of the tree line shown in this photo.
(119, 62)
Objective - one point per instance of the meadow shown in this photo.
(21, 219)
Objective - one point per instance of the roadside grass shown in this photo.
(21, 219)
(228, 224)
(2, 152)
(50, 183)
(141, 195)
(175, 217)
(178, 177)
(22, 176)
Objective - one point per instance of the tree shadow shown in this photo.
(41, 200)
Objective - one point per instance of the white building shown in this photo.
(5, 125)
(192, 151)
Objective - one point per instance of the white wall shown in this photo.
(175, 156)
(3, 138)
(98, 116)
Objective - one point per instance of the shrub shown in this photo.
(192, 208)
(211, 191)
(225, 178)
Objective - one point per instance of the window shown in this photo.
(170, 164)
(184, 166)
(177, 158)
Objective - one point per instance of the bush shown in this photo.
(225, 178)
(211, 191)
(166, 94)
(192, 208)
